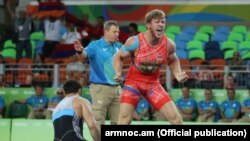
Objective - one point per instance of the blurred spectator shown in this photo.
(246, 110)
(28, 81)
(97, 32)
(204, 72)
(123, 36)
(133, 29)
(83, 81)
(142, 110)
(24, 26)
(3, 84)
(10, 11)
(207, 108)
(38, 67)
(2, 106)
(53, 102)
(38, 102)
(86, 30)
(230, 109)
(236, 66)
(187, 105)
(11, 7)
(71, 36)
(230, 82)
(75, 70)
(237, 62)
(52, 27)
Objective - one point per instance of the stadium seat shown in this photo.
(244, 46)
(222, 29)
(10, 66)
(25, 61)
(200, 36)
(185, 62)
(185, 65)
(171, 36)
(218, 65)
(229, 45)
(194, 45)
(229, 54)
(189, 29)
(41, 78)
(9, 44)
(239, 29)
(217, 62)
(220, 37)
(234, 36)
(181, 45)
(246, 55)
(196, 54)
(247, 38)
(182, 54)
(10, 60)
(208, 29)
(39, 36)
(9, 52)
(184, 37)
(197, 62)
(9, 78)
(173, 29)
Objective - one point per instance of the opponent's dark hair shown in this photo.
(71, 86)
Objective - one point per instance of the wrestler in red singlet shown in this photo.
(148, 51)
(143, 75)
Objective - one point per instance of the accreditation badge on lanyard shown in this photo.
(119, 89)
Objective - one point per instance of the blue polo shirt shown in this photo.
(55, 99)
(100, 54)
(187, 104)
(36, 101)
(208, 105)
(229, 107)
(246, 103)
(142, 105)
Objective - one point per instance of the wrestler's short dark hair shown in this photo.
(71, 86)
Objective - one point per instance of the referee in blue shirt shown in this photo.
(105, 92)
